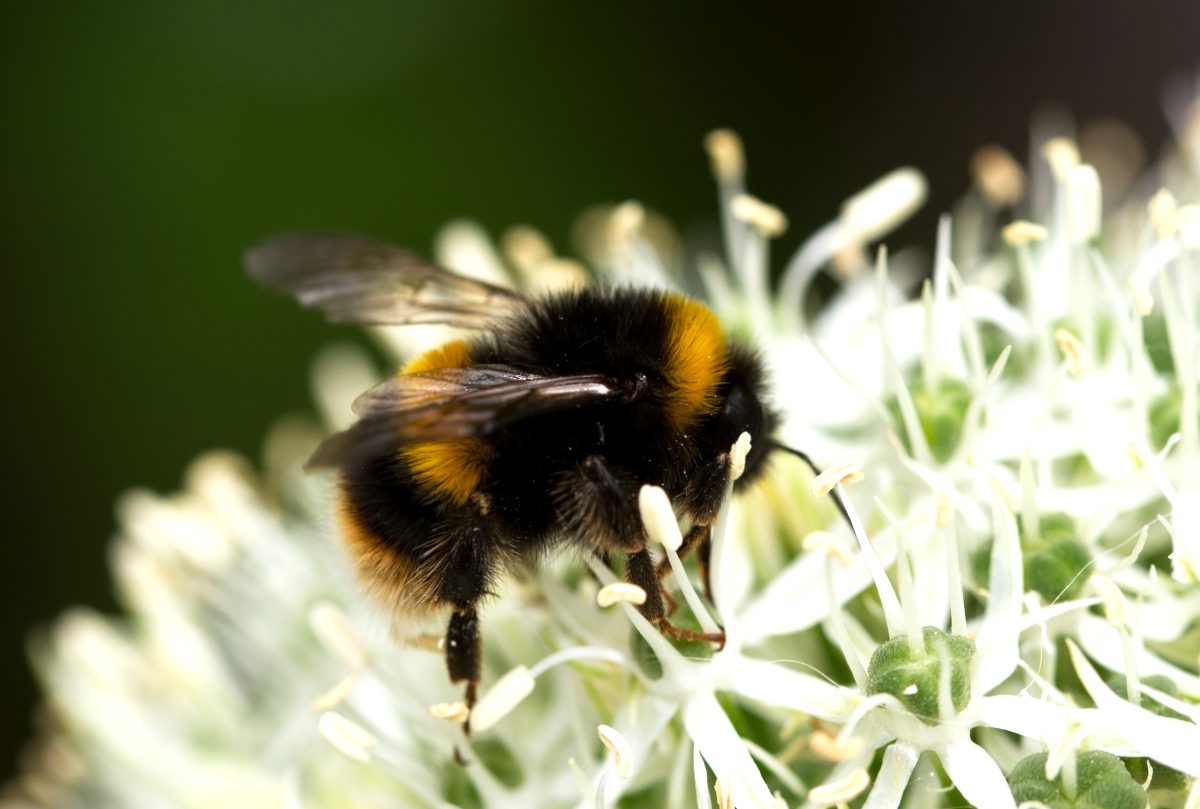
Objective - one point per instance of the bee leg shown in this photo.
(463, 655)
(639, 570)
(697, 536)
(703, 554)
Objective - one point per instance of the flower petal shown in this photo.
(977, 775)
(725, 752)
(898, 763)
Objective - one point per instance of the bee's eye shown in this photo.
(741, 412)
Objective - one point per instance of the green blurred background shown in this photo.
(146, 144)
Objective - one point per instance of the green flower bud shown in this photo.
(1165, 414)
(913, 676)
(1055, 561)
(1101, 782)
(941, 413)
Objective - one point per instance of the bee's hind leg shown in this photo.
(463, 657)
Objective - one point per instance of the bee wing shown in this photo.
(354, 279)
(454, 403)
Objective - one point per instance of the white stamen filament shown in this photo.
(573, 653)
(1083, 203)
(837, 625)
(659, 520)
(1143, 301)
(1113, 599)
(665, 651)
(336, 695)
(958, 607)
(1030, 516)
(865, 217)
(1187, 220)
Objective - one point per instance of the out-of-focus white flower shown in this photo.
(1020, 575)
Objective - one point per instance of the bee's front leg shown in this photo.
(639, 570)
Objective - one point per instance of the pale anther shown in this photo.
(1062, 154)
(1023, 232)
(827, 542)
(724, 797)
(1115, 610)
(724, 149)
(1162, 209)
(766, 219)
(506, 694)
(737, 456)
(333, 629)
(998, 175)
(659, 518)
(349, 738)
(620, 591)
(1072, 350)
(846, 474)
(831, 747)
(525, 247)
(626, 220)
(453, 711)
(619, 745)
(884, 204)
(842, 791)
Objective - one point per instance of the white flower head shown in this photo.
(1009, 570)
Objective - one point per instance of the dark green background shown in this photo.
(144, 145)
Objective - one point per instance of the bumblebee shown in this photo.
(483, 455)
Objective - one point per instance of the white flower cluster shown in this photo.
(1012, 614)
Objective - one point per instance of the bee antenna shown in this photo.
(816, 470)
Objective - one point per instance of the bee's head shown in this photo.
(744, 410)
